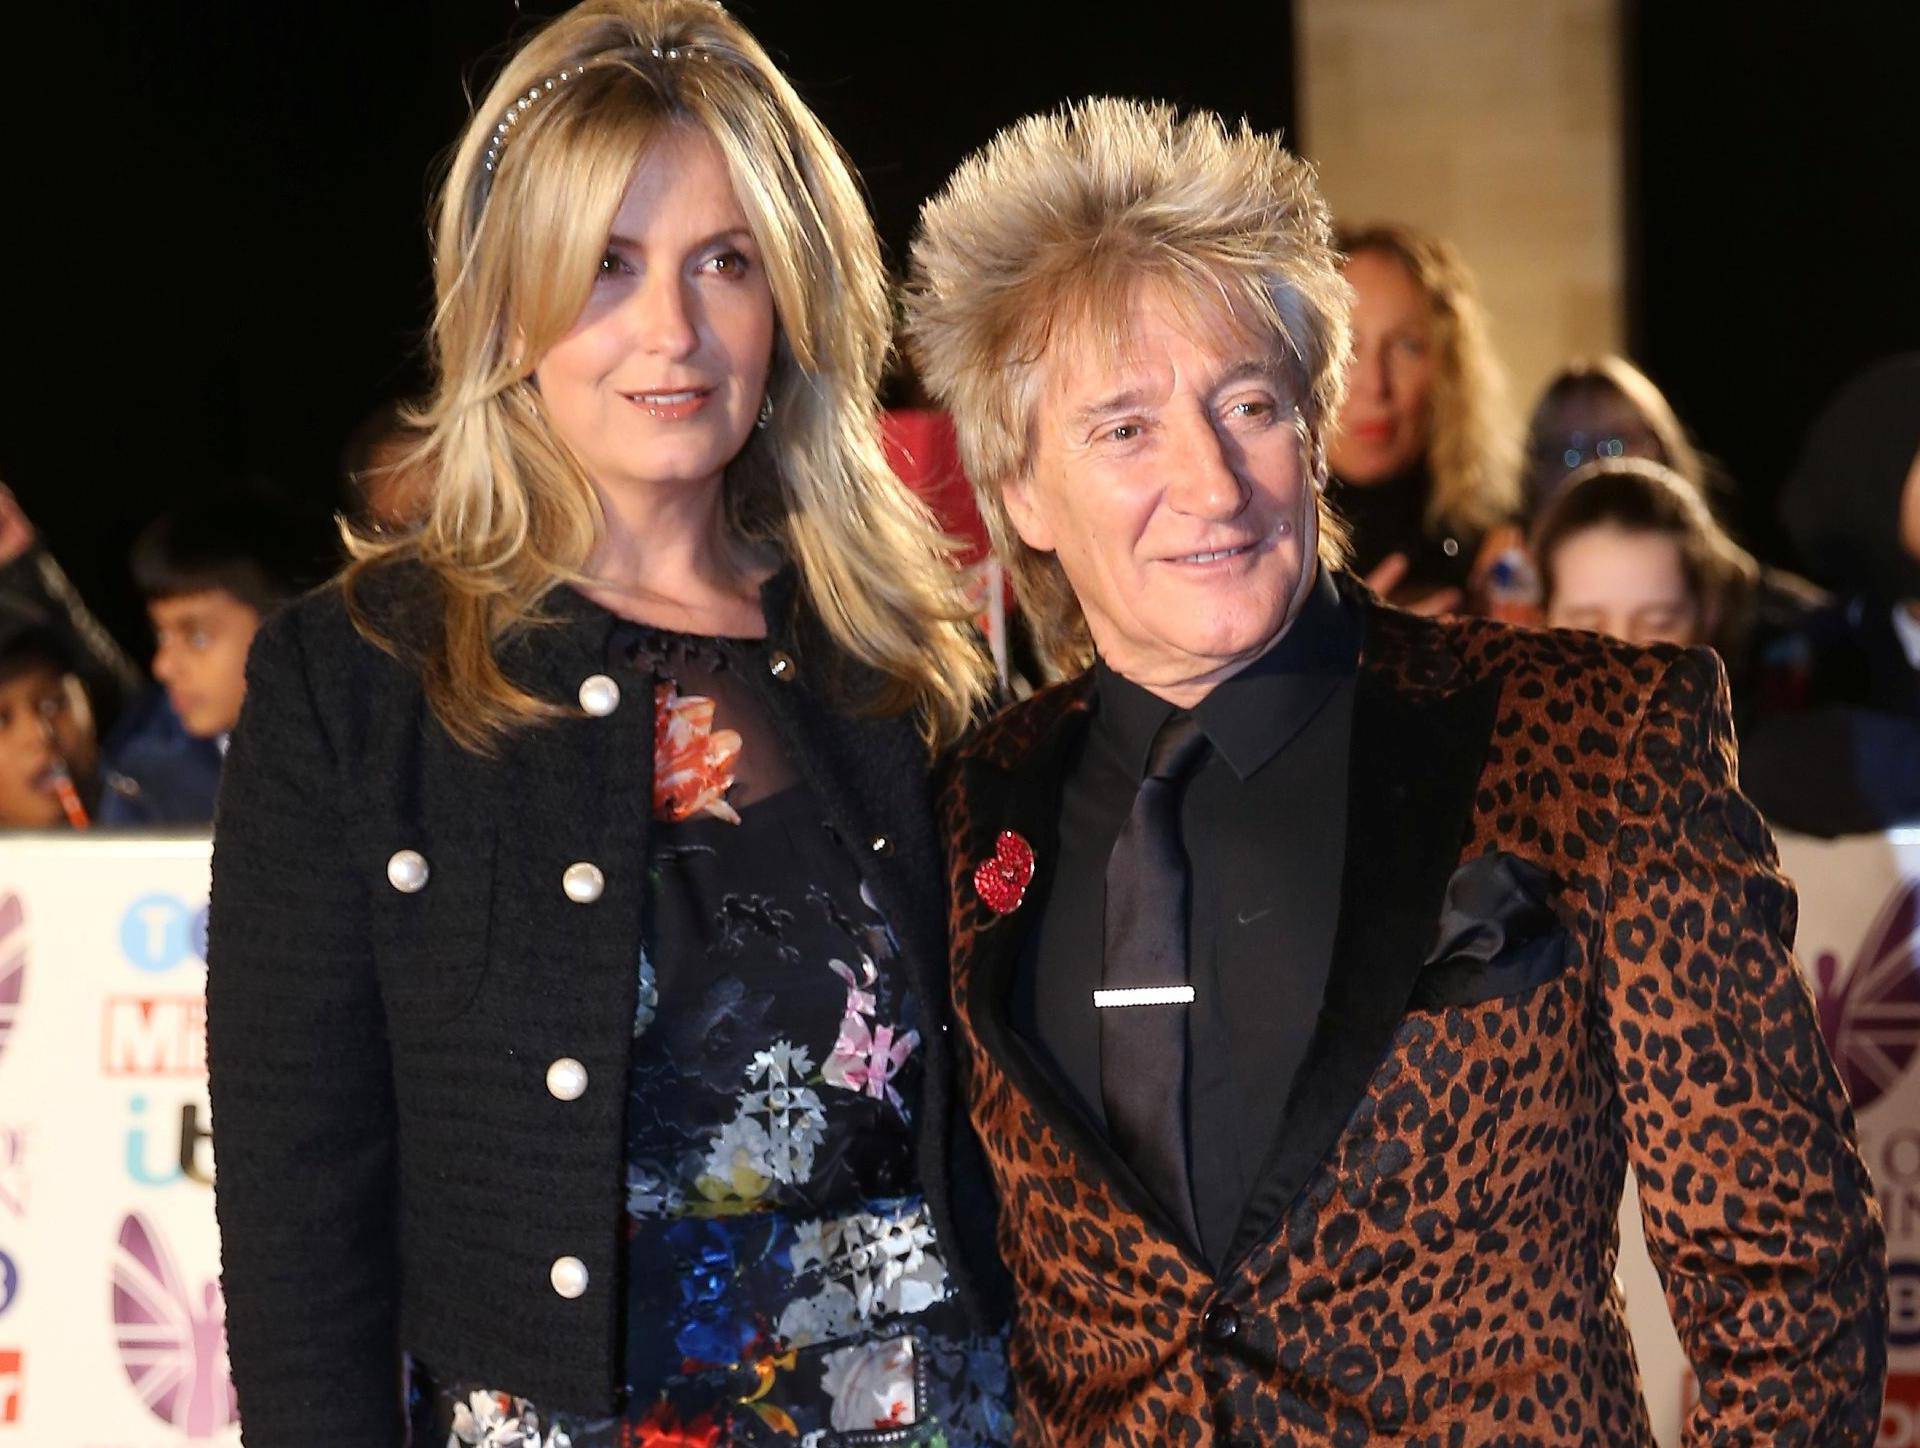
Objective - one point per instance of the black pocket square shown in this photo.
(1498, 936)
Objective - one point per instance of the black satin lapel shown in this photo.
(1026, 800)
(1414, 764)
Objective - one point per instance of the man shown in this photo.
(209, 575)
(1838, 752)
(1319, 969)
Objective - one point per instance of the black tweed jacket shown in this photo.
(393, 1170)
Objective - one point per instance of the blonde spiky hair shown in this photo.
(1048, 234)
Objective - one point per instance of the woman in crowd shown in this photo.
(1602, 407)
(1424, 468)
(576, 949)
(1629, 547)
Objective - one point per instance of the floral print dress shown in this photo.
(783, 1281)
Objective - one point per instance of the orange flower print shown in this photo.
(692, 761)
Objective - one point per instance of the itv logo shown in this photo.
(162, 1149)
(159, 932)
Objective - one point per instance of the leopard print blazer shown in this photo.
(1440, 1269)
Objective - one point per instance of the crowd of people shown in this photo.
(1600, 512)
(642, 967)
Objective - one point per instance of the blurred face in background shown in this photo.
(1631, 585)
(200, 656)
(1582, 427)
(45, 726)
(1386, 422)
(660, 381)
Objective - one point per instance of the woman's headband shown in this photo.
(496, 143)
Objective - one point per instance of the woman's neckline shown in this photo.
(663, 628)
(666, 631)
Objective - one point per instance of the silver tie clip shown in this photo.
(1144, 995)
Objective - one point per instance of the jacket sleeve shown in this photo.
(1758, 1210)
(301, 1082)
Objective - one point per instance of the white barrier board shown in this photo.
(110, 1312)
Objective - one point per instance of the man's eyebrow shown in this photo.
(1263, 368)
(1115, 402)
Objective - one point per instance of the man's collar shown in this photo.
(1250, 716)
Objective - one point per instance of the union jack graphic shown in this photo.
(1872, 1016)
(174, 1351)
(13, 964)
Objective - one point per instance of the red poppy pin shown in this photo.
(1002, 878)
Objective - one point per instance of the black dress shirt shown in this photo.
(1264, 823)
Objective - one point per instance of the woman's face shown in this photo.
(1631, 585)
(1386, 422)
(658, 384)
(1591, 423)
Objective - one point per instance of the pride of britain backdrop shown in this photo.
(111, 1321)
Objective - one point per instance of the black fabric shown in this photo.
(1390, 517)
(1498, 936)
(1423, 753)
(1266, 893)
(1143, 1048)
(1841, 505)
(1830, 736)
(374, 1055)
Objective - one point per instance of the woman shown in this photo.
(576, 947)
(1424, 468)
(1602, 407)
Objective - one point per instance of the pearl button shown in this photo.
(407, 871)
(583, 883)
(880, 845)
(566, 1079)
(1450, 547)
(782, 666)
(568, 1276)
(599, 695)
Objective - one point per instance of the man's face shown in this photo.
(200, 655)
(1171, 482)
(44, 727)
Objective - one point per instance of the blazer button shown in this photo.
(599, 695)
(583, 883)
(566, 1079)
(1220, 1325)
(881, 846)
(568, 1276)
(407, 871)
(781, 665)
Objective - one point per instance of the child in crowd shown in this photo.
(209, 576)
(48, 749)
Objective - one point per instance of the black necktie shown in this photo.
(1143, 1048)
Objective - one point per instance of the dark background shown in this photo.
(218, 265)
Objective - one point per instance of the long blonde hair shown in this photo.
(523, 219)
(1473, 454)
(1047, 233)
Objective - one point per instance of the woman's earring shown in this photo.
(766, 412)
